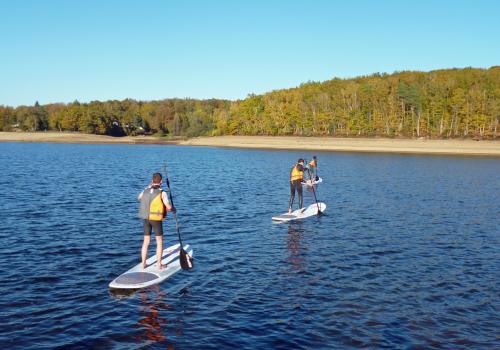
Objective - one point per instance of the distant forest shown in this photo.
(448, 103)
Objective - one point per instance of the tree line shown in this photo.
(446, 103)
(187, 117)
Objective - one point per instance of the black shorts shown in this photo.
(157, 227)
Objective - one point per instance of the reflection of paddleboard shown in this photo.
(301, 213)
(313, 182)
(136, 277)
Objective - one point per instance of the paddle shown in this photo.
(185, 259)
(317, 173)
(314, 191)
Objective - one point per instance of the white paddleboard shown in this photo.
(301, 213)
(137, 277)
(312, 182)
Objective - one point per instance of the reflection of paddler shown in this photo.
(295, 257)
(152, 322)
(296, 177)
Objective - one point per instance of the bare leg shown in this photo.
(144, 250)
(159, 250)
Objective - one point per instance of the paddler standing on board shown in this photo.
(296, 178)
(153, 208)
(313, 168)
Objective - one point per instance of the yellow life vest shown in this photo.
(296, 174)
(157, 209)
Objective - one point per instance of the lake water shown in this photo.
(407, 255)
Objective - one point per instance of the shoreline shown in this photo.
(360, 145)
(333, 144)
(75, 137)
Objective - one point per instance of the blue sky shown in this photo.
(61, 51)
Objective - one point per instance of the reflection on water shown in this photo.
(122, 294)
(295, 257)
(155, 319)
(151, 323)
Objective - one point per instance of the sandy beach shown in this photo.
(75, 137)
(380, 145)
(452, 147)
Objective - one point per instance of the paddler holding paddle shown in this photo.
(153, 209)
(296, 178)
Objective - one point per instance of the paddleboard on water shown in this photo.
(137, 277)
(301, 213)
(312, 182)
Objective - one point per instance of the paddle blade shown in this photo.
(319, 213)
(186, 260)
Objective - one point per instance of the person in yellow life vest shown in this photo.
(296, 178)
(313, 168)
(153, 209)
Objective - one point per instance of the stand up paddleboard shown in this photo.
(311, 183)
(301, 213)
(136, 277)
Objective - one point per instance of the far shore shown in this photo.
(76, 137)
(337, 144)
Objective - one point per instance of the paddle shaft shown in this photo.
(314, 191)
(172, 203)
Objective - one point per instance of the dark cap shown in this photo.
(300, 160)
(314, 157)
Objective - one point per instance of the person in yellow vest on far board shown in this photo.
(153, 209)
(296, 178)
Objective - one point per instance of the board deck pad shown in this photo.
(137, 277)
(303, 213)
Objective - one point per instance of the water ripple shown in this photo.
(405, 257)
